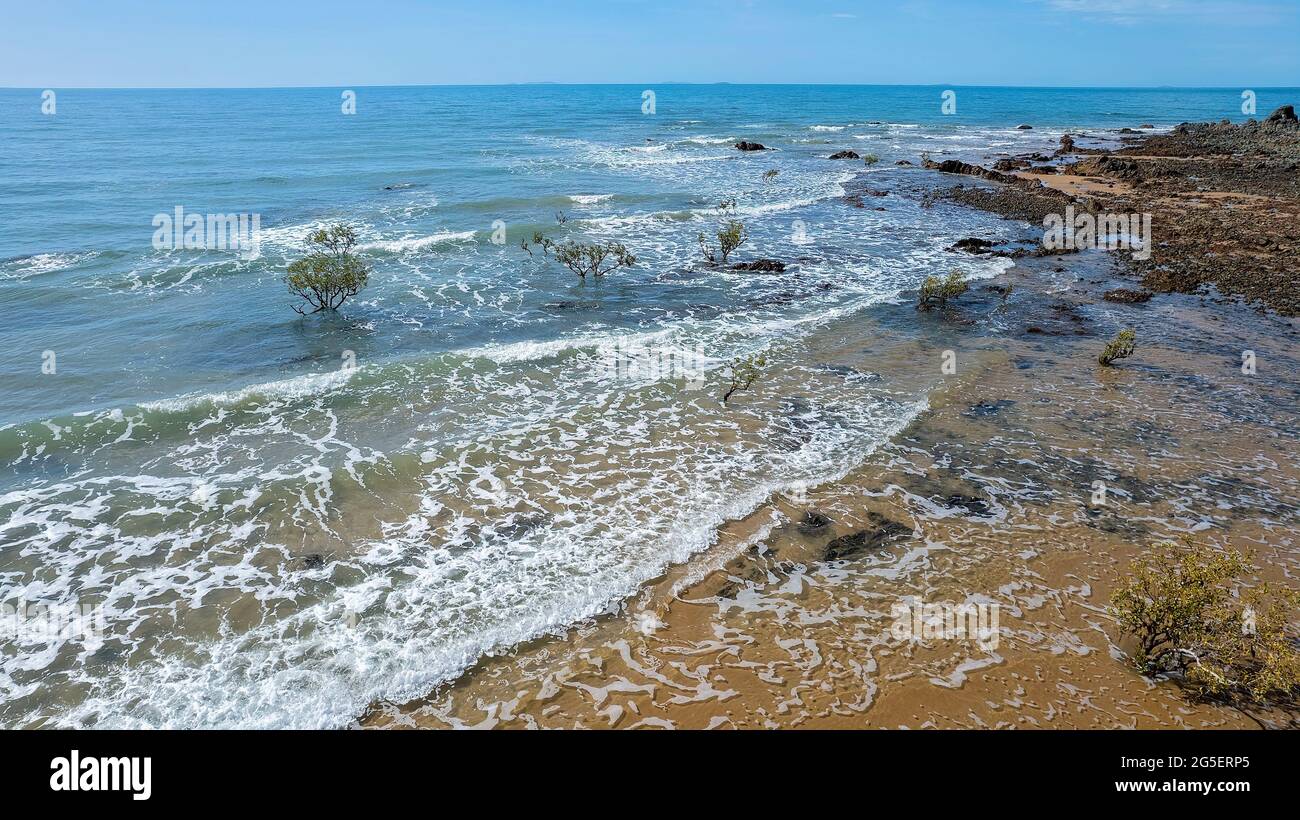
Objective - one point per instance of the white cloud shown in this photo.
(1129, 12)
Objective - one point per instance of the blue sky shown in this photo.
(233, 43)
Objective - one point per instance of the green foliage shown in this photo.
(730, 236)
(936, 292)
(1177, 602)
(583, 258)
(330, 273)
(1121, 347)
(770, 175)
(871, 159)
(743, 372)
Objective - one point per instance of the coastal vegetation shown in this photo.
(596, 259)
(742, 373)
(1179, 605)
(770, 174)
(730, 236)
(1121, 347)
(936, 291)
(330, 273)
(870, 159)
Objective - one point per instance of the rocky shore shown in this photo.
(1224, 201)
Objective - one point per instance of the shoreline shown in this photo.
(768, 628)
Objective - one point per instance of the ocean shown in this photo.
(216, 513)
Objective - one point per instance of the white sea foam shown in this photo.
(43, 263)
(294, 388)
(415, 243)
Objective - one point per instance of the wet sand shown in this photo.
(994, 488)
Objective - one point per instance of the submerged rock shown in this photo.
(973, 505)
(813, 522)
(521, 525)
(989, 408)
(846, 155)
(744, 145)
(881, 533)
(761, 266)
(1127, 297)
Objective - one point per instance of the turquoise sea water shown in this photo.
(270, 536)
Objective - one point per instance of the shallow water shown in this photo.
(273, 537)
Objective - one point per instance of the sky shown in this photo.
(324, 43)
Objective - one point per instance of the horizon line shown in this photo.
(644, 85)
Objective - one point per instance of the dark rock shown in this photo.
(880, 533)
(973, 244)
(1285, 114)
(813, 523)
(1146, 125)
(1023, 127)
(761, 266)
(903, 162)
(956, 166)
(846, 155)
(971, 504)
(1067, 145)
(989, 408)
(751, 146)
(314, 561)
(1127, 297)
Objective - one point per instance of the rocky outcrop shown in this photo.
(846, 154)
(956, 166)
(1285, 115)
(761, 266)
(744, 145)
(972, 244)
